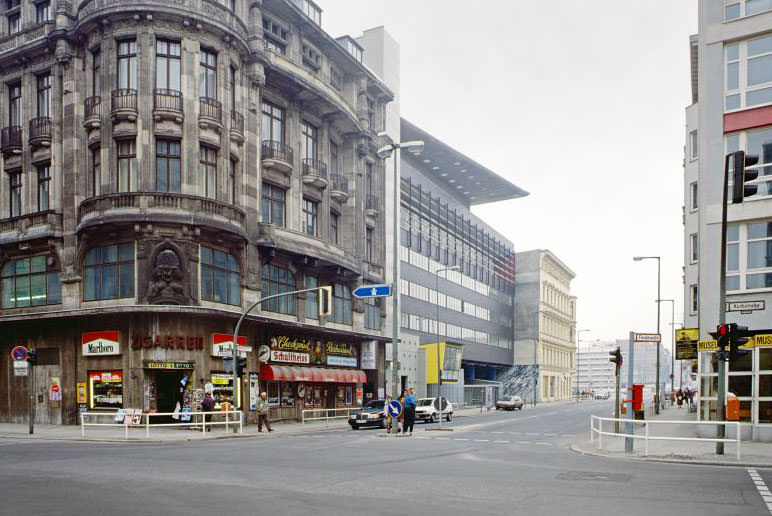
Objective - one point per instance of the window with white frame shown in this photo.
(735, 9)
(732, 257)
(694, 245)
(748, 78)
(749, 256)
(695, 199)
(693, 145)
(757, 142)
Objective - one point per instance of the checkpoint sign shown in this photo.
(395, 408)
(19, 353)
(368, 291)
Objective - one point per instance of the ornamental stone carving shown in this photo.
(167, 284)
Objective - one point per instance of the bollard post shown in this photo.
(241, 422)
(600, 434)
(645, 440)
(147, 425)
(226, 420)
(82, 426)
(125, 429)
(738, 439)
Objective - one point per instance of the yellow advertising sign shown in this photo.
(687, 334)
(757, 341)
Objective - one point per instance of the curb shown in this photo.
(682, 461)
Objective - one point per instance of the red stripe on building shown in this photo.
(747, 119)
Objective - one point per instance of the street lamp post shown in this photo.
(416, 147)
(672, 342)
(437, 325)
(659, 282)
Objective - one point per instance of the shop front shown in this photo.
(305, 373)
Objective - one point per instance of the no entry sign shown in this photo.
(19, 353)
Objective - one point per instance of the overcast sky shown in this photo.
(579, 102)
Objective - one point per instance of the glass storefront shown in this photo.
(105, 389)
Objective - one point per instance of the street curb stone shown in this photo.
(682, 461)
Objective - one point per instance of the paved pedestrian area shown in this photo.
(758, 454)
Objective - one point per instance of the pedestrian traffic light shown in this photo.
(32, 357)
(616, 358)
(325, 301)
(241, 364)
(723, 332)
(738, 336)
(741, 175)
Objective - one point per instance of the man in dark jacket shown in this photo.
(207, 406)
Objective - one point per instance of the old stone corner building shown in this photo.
(165, 164)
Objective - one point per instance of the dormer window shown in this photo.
(311, 57)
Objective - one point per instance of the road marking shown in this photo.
(503, 442)
(497, 432)
(762, 488)
(550, 435)
(422, 437)
(481, 440)
(567, 435)
(523, 442)
(545, 444)
(443, 438)
(531, 433)
(460, 439)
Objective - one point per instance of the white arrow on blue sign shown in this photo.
(366, 291)
(395, 408)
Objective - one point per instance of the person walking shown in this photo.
(401, 418)
(262, 413)
(410, 404)
(207, 406)
(680, 398)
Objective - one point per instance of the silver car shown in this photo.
(510, 402)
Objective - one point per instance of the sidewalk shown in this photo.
(753, 454)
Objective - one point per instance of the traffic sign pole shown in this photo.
(31, 389)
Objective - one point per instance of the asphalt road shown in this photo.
(507, 463)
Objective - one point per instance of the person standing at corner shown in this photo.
(262, 413)
(207, 406)
(410, 404)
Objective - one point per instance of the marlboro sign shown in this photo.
(101, 343)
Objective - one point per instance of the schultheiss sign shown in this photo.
(100, 343)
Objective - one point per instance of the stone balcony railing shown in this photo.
(40, 131)
(10, 140)
(37, 32)
(30, 226)
(166, 207)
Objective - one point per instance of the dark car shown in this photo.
(372, 414)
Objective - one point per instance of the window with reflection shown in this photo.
(220, 277)
(278, 280)
(207, 85)
(167, 166)
(341, 304)
(108, 272)
(167, 65)
(32, 281)
(127, 64)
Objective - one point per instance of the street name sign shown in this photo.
(368, 291)
(647, 337)
(395, 408)
(745, 307)
(19, 353)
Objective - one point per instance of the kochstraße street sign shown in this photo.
(648, 337)
(366, 291)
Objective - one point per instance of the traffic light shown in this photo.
(325, 301)
(616, 358)
(228, 363)
(32, 357)
(241, 364)
(723, 335)
(738, 336)
(741, 175)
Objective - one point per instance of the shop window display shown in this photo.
(222, 391)
(105, 389)
(272, 391)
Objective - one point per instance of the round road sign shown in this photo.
(19, 353)
(263, 353)
(395, 408)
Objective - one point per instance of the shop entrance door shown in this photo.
(168, 385)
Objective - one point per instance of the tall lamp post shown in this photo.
(415, 147)
(659, 283)
(437, 325)
(672, 342)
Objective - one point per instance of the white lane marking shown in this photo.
(481, 440)
(567, 435)
(531, 433)
(460, 439)
(422, 437)
(497, 432)
(443, 438)
(545, 444)
(550, 435)
(503, 442)
(523, 442)
(762, 488)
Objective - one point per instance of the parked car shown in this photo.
(510, 402)
(372, 414)
(601, 395)
(427, 410)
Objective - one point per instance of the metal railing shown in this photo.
(92, 107)
(170, 100)
(339, 183)
(123, 98)
(372, 202)
(277, 150)
(210, 108)
(10, 138)
(647, 437)
(237, 122)
(201, 423)
(326, 418)
(40, 128)
(314, 167)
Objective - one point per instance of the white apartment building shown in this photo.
(731, 109)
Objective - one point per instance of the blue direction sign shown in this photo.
(395, 408)
(372, 291)
(19, 353)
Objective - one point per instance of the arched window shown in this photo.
(277, 280)
(341, 304)
(30, 281)
(220, 279)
